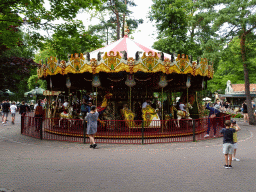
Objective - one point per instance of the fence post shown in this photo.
(84, 127)
(142, 133)
(41, 127)
(194, 131)
(22, 124)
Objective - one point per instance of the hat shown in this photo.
(233, 121)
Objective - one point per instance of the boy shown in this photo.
(13, 109)
(228, 143)
(237, 128)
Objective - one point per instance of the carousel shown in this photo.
(120, 78)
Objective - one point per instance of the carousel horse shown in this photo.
(66, 114)
(184, 114)
(101, 109)
(170, 116)
(150, 117)
(128, 116)
(104, 103)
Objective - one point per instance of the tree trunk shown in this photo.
(117, 25)
(247, 82)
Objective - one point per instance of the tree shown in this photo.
(37, 16)
(69, 38)
(104, 30)
(34, 81)
(230, 19)
(176, 24)
(119, 13)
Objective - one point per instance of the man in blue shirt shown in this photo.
(213, 118)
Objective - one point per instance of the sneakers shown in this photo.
(228, 166)
(207, 135)
(93, 146)
(235, 159)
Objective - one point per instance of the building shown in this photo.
(235, 93)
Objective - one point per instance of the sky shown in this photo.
(142, 35)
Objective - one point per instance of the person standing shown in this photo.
(91, 119)
(237, 128)
(245, 112)
(228, 143)
(13, 109)
(5, 109)
(2, 110)
(23, 108)
(212, 119)
(39, 113)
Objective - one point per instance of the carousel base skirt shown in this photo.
(127, 135)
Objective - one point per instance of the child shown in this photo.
(237, 128)
(13, 108)
(228, 143)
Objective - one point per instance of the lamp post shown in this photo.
(68, 84)
(36, 89)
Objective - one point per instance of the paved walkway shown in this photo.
(29, 164)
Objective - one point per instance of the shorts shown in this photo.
(5, 114)
(235, 146)
(13, 114)
(228, 148)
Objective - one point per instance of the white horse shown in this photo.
(66, 114)
(184, 114)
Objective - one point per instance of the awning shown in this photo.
(237, 95)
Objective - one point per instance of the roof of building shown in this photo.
(240, 87)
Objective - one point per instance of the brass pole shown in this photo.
(162, 108)
(96, 96)
(187, 94)
(130, 98)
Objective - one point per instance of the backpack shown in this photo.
(39, 110)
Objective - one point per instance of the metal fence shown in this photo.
(120, 131)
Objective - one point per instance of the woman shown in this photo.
(92, 118)
(245, 112)
(39, 113)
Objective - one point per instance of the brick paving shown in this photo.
(29, 164)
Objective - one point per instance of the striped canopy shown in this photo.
(128, 45)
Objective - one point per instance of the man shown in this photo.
(5, 109)
(144, 105)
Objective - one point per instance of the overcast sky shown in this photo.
(143, 34)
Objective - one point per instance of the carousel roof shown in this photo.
(126, 55)
(128, 45)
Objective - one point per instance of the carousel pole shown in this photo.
(162, 103)
(96, 96)
(130, 98)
